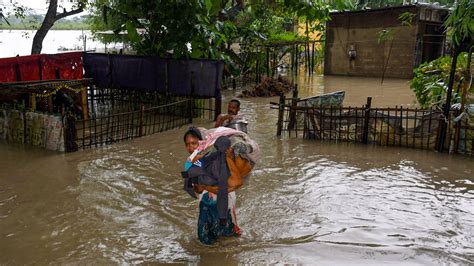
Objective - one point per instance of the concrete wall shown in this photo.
(36, 129)
(361, 30)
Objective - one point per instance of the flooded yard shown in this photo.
(306, 201)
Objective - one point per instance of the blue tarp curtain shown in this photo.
(175, 76)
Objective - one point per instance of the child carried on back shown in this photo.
(221, 159)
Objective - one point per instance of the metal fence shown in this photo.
(404, 127)
(100, 130)
(107, 101)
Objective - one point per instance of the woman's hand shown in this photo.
(197, 157)
(230, 152)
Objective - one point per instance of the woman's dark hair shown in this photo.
(192, 131)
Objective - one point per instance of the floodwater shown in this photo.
(19, 42)
(306, 202)
(386, 93)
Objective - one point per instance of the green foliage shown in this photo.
(20, 16)
(407, 18)
(264, 22)
(208, 28)
(430, 81)
(181, 28)
(312, 10)
(362, 4)
(385, 35)
(18, 11)
(23, 21)
(284, 37)
(460, 22)
(29, 22)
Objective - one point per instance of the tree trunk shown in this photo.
(47, 24)
(51, 17)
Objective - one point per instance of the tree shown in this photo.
(52, 15)
(3, 17)
(460, 24)
(191, 28)
(18, 11)
(208, 28)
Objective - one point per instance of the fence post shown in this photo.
(190, 110)
(268, 62)
(142, 113)
(365, 134)
(50, 104)
(257, 71)
(281, 109)
(92, 92)
(32, 102)
(308, 64)
(292, 60)
(294, 102)
(312, 60)
(70, 133)
(297, 55)
(85, 109)
(191, 101)
(217, 112)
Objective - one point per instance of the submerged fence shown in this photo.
(107, 129)
(135, 96)
(123, 97)
(107, 101)
(404, 127)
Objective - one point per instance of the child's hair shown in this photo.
(192, 131)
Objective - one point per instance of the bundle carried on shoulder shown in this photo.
(220, 164)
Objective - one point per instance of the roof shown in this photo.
(368, 10)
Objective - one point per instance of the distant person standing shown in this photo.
(232, 119)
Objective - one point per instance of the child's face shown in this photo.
(191, 143)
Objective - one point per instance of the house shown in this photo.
(379, 42)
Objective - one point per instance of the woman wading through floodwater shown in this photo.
(220, 161)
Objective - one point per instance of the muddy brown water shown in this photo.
(307, 202)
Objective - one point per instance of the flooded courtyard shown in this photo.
(306, 202)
